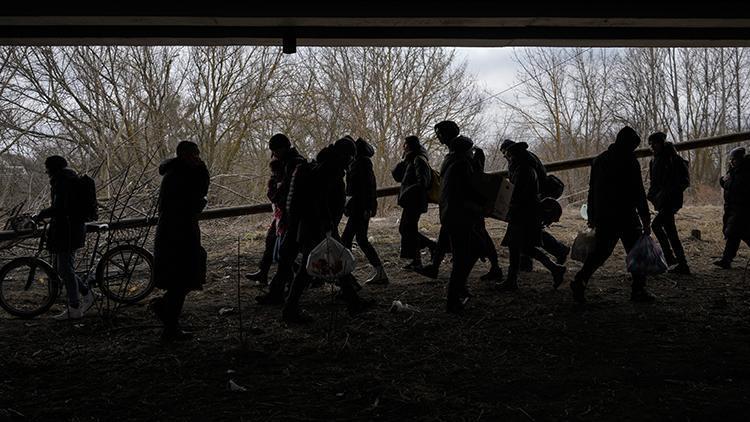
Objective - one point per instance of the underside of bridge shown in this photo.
(387, 23)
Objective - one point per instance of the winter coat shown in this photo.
(459, 204)
(179, 258)
(616, 196)
(360, 182)
(669, 177)
(415, 176)
(736, 185)
(316, 198)
(524, 223)
(67, 232)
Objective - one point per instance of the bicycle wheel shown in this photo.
(125, 273)
(28, 287)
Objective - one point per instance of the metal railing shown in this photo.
(227, 212)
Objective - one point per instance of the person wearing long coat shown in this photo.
(179, 258)
(736, 186)
(617, 210)
(414, 174)
(524, 233)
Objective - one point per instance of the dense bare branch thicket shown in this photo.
(571, 102)
(117, 111)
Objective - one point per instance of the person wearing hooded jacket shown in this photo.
(315, 206)
(414, 174)
(736, 220)
(524, 233)
(669, 177)
(460, 211)
(66, 234)
(617, 210)
(179, 258)
(282, 150)
(361, 206)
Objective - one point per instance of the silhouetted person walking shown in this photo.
(362, 204)
(460, 211)
(66, 234)
(282, 149)
(617, 210)
(669, 177)
(549, 243)
(524, 233)
(272, 192)
(415, 177)
(736, 185)
(179, 258)
(488, 249)
(315, 206)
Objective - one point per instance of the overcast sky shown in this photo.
(494, 67)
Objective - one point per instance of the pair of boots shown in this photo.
(638, 293)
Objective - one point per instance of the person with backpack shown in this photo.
(550, 187)
(315, 206)
(460, 211)
(736, 220)
(617, 210)
(524, 233)
(281, 149)
(361, 206)
(70, 209)
(415, 176)
(179, 258)
(669, 176)
(272, 192)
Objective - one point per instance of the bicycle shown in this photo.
(29, 285)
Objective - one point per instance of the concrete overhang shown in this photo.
(459, 23)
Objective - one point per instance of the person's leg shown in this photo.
(261, 276)
(350, 229)
(514, 265)
(65, 267)
(464, 257)
(554, 247)
(557, 271)
(292, 311)
(171, 308)
(605, 240)
(362, 232)
(731, 247)
(409, 230)
(670, 227)
(660, 227)
(284, 273)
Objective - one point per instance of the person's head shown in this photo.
(505, 146)
(735, 156)
(188, 150)
(279, 145)
(345, 149)
(628, 138)
(54, 164)
(656, 141)
(411, 144)
(446, 131)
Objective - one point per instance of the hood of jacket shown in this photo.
(460, 144)
(364, 149)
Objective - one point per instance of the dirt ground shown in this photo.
(530, 355)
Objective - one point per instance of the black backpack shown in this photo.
(85, 205)
(552, 187)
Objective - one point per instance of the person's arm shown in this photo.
(591, 209)
(399, 171)
(57, 205)
(422, 170)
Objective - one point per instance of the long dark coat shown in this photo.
(67, 232)
(179, 258)
(524, 223)
(361, 185)
(736, 185)
(669, 177)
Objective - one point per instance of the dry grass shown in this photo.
(531, 355)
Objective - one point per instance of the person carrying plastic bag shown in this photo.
(330, 260)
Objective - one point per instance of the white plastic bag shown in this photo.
(646, 257)
(330, 260)
(583, 245)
